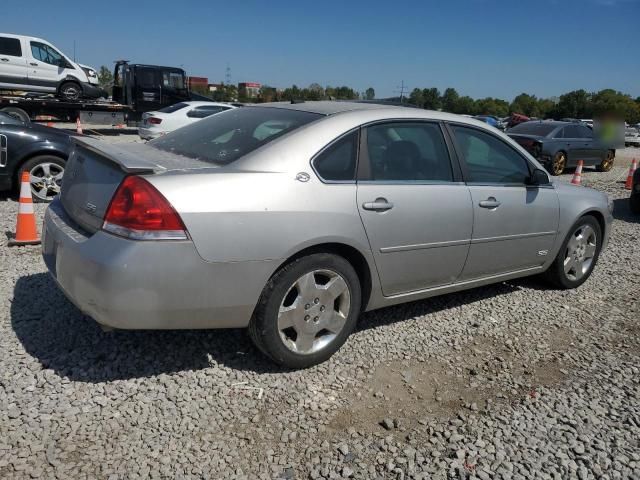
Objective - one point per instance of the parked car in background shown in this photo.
(33, 148)
(559, 145)
(631, 137)
(34, 65)
(168, 119)
(634, 199)
(516, 119)
(489, 119)
(291, 219)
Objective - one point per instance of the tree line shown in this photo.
(574, 104)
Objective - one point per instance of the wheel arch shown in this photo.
(357, 260)
(599, 218)
(32, 154)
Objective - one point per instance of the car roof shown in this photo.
(389, 110)
(198, 103)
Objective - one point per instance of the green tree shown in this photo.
(465, 105)
(492, 106)
(449, 99)
(431, 98)
(416, 98)
(526, 105)
(105, 79)
(575, 104)
(370, 94)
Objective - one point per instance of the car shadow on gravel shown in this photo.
(61, 338)
(622, 211)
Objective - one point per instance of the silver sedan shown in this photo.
(292, 219)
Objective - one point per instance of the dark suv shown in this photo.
(559, 145)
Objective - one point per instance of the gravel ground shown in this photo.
(509, 381)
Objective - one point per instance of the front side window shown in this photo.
(489, 159)
(45, 53)
(10, 46)
(338, 161)
(412, 151)
(222, 139)
(172, 80)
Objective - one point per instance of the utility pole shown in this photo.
(402, 89)
(227, 76)
(74, 51)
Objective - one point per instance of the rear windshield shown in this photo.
(173, 108)
(533, 128)
(222, 139)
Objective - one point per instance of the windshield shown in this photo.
(534, 128)
(224, 138)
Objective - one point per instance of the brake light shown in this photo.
(140, 212)
(154, 120)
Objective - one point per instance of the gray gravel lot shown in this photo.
(509, 381)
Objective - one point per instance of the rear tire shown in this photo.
(577, 256)
(607, 164)
(634, 203)
(70, 91)
(299, 321)
(50, 169)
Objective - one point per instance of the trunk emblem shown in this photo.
(90, 207)
(303, 177)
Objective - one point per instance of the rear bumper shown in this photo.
(148, 285)
(149, 134)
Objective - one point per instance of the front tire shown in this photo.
(559, 163)
(578, 255)
(70, 91)
(45, 174)
(634, 203)
(607, 164)
(307, 310)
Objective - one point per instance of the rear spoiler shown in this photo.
(127, 161)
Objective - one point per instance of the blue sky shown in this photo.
(480, 47)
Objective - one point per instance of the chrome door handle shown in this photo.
(33, 64)
(490, 202)
(380, 205)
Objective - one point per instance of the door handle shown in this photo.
(4, 59)
(33, 64)
(490, 202)
(380, 205)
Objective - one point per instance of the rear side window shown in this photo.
(573, 131)
(489, 159)
(539, 129)
(222, 139)
(10, 46)
(204, 112)
(408, 152)
(337, 163)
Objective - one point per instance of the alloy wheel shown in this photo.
(559, 163)
(314, 311)
(581, 250)
(46, 180)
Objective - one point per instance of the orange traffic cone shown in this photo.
(629, 183)
(50, 124)
(577, 177)
(26, 233)
(78, 126)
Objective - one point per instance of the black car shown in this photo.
(559, 145)
(33, 148)
(634, 199)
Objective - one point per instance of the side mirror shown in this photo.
(539, 177)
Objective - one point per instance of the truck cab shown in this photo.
(148, 87)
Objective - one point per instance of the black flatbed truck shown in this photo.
(137, 88)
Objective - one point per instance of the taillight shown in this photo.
(154, 120)
(140, 212)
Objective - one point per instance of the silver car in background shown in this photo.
(291, 219)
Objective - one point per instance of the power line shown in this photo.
(402, 90)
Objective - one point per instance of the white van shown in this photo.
(34, 65)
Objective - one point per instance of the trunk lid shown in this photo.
(528, 142)
(95, 169)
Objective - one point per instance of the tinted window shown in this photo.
(45, 53)
(489, 159)
(147, 77)
(173, 108)
(338, 161)
(173, 79)
(203, 112)
(222, 139)
(408, 151)
(585, 132)
(10, 46)
(533, 128)
(573, 131)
